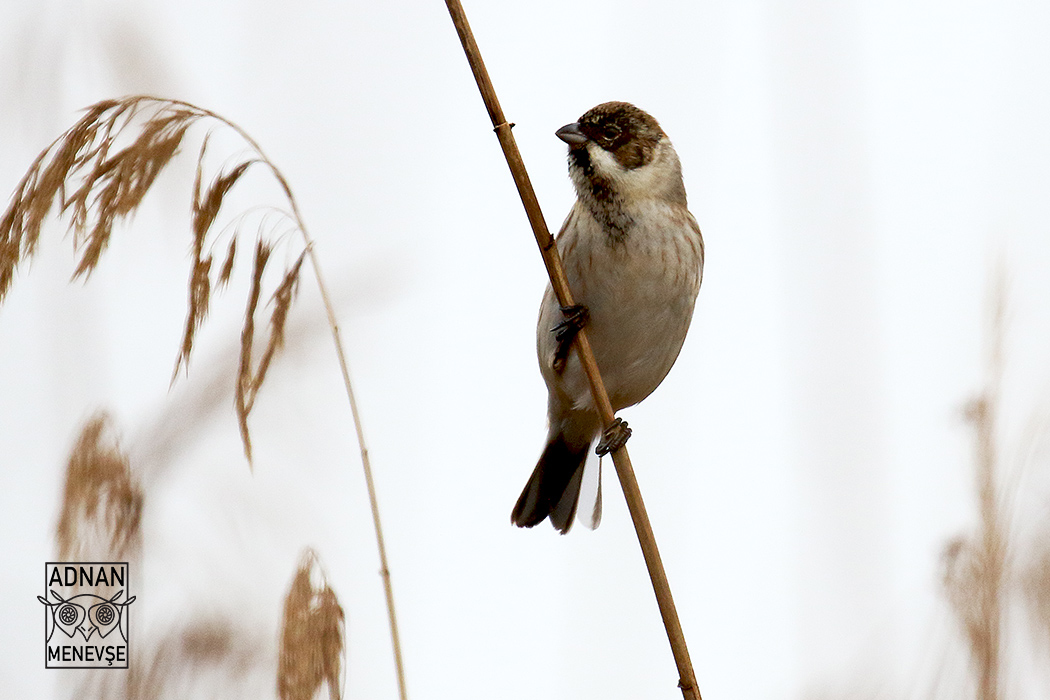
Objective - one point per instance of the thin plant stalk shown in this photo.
(559, 283)
(384, 570)
(333, 324)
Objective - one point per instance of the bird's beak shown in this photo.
(571, 134)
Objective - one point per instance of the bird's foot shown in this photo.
(613, 438)
(576, 317)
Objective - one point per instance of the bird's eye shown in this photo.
(611, 132)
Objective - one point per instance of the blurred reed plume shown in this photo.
(180, 661)
(975, 567)
(976, 592)
(204, 657)
(311, 636)
(101, 504)
(97, 174)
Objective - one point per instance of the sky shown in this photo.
(860, 171)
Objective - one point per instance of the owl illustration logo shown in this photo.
(86, 619)
(86, 613)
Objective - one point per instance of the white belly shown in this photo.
(640, 292)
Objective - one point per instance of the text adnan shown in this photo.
(86, 576)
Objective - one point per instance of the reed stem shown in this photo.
(560, 284)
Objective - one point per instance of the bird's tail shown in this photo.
(553, 489)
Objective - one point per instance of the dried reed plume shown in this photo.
(101, 505)
(90, 178)
(95, 183)
(311, 636)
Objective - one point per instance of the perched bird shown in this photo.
(634, 258)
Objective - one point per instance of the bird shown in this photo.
(633, 255)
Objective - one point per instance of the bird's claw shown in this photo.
(576, 317)
(613, 438)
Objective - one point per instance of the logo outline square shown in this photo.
(87, 616)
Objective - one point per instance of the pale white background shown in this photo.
(857, 169)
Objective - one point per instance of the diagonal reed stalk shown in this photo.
(551, 259)
(82, 174)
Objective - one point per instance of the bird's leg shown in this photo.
(576, 317)
(613, 438)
